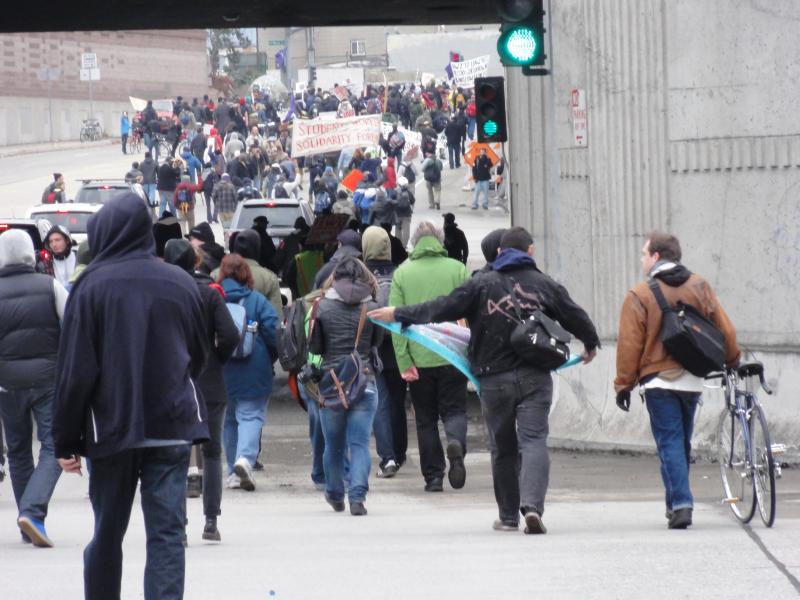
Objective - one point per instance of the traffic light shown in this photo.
(521, 41)
(490, 109)
(312, 76)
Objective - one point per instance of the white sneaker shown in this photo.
(243, 469)
(233, 482)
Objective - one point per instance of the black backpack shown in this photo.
(292, 338)
(409, 174)
(433, 172)
(689, 337)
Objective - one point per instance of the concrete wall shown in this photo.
(145, 64)
(691, 128)
(26, 120)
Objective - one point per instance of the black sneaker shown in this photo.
(434, 485)
(194, 486)
(457, 474)
(357, 509)
(337, 505)
(533, 523)
(681, 519)
(210, 531)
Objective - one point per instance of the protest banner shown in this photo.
(465, 72)
(317, 136)
(325, 229)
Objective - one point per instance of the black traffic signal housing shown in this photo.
(490, 109)
(522, 35)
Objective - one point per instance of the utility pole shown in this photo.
(311, 62)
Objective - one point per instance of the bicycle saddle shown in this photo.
(753, 369)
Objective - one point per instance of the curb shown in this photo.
(54, 147)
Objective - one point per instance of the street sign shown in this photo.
(88, 60)
(90, 74)
(580, 118)
(49, 74)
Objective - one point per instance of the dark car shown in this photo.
(37, 229)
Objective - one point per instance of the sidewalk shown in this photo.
(23, 149)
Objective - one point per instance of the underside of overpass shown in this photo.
(89, 15)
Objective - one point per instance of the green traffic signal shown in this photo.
(490, 127)
(519, 45)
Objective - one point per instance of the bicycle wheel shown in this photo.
(165, 148)
(763, 465)
(734, 467)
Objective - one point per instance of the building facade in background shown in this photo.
(144, 64)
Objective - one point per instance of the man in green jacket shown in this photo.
(438, 390)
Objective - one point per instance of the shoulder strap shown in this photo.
(361, 320)
(656, 289)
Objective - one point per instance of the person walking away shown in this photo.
(266, 258)
(670, 392)
(59, 242)
(432, 171)
(403, 210)
(225, 200)
(349, 244)
(184, 201)
(390, 426)
(382, 209)
(438, 390)
(223, 337)
(202, 237)
(31, 308)
(481, 173)
(55, 193)
(169, 175)
(515, 395)
(248, 379)
(339, 329)
(124, 130)
(247, 244)
(136, 413)
(455, 242)
(149, 169)
(453, 133)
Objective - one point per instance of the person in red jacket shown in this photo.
(390, 174)
(184, 200)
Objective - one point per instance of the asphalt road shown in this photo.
(607, 533)
(24, 176)
(607, 536)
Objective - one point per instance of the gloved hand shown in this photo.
(624, 401)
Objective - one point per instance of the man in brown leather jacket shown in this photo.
(671, 392)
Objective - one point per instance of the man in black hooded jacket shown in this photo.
(223, 337)
(133, 340)
(515, 396)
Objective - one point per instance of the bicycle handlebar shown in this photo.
(746, 370)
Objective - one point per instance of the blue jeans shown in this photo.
(166, 202)
(351, 429)
(152, 193)
(481, 189)
(382, 425)
(112, 488)
(33, 487)
(470, 127)
(244, 419)
(315, 435)
(151, 145)
(672, 422)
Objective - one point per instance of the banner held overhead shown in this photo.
(317, 136)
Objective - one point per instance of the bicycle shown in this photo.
(91, 130)
(744, 451)
(135, 142)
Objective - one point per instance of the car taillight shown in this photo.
(62, 212)
(45, 255)
(272, 204)
(3, 226)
